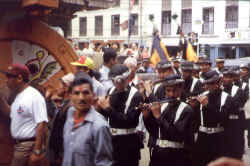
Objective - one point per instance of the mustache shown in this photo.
(82, 102)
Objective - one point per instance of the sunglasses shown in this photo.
(8, 75)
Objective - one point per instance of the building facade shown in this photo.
(222, 27)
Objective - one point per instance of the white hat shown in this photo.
(68, 78)
(130, 60)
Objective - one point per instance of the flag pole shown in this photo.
(129, 21)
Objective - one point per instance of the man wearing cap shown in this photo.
(245, 77)
(235, 124)
(109, 59)
(164, 68)
(120, 108)
(205, 66)
(196, 71)
(176, 66)
(145, 68)
(220, 65)
(215, 107)
(171, 123)
(86, 64)
(192, 86)
(28, 117)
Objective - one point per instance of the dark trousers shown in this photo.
(234, 134)
(170, 156)
(126, 150)
(248, 131)
(208, 147)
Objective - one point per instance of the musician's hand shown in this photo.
(103, 102)
(148, 86)
(203, 100)
(144, 109)
(142, 89)
(226, 162)
(193, 102)
(156, 109)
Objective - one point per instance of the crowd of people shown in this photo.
(193, 113)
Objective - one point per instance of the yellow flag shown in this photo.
(165, 50)
(191, 54)
(155, 58)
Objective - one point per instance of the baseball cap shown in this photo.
(84, 61)
(17, 69)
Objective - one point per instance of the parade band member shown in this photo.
(215, 107)
(164, 69)
(192, 86)
(235, 125)
(171, 124)
(120, 109)
(245, 77)
(220, 65)
(87, 138)
(196, 71)
(205, 65)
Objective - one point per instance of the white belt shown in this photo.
(233, 117)
(169, 144)
(209, 130)
(115, 131)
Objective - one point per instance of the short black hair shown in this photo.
(81, 78)
(109, 54)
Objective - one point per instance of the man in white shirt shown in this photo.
(109, 59)
(28, 117)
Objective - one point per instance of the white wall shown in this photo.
(155, 7)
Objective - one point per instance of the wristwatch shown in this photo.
(37, 152)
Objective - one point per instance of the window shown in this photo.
(115, 25)
(231, 17)
(98, 25)
(134, 24)
(83, 26)
(166, 23)
(208, 19)
(186, 20)
(166, 5)
(117, 3)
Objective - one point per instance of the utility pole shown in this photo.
(141, 38)
(129, 30)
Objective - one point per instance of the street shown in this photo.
(145, 155)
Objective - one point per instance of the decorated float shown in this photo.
(34, 32)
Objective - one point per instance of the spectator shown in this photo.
(86, 64)
(110, 59)
(87, 137)
(55, 141)
(28, 117)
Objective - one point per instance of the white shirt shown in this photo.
(104, 70)
(27, 110)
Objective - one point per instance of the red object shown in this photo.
(18, 69)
